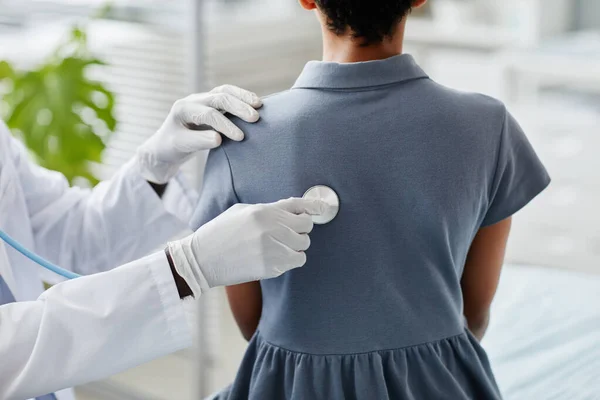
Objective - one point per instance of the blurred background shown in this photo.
(121, 65)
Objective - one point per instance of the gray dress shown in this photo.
(376, 313)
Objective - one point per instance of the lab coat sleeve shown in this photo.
(90, 231)
(90, 328)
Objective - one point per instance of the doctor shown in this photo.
(92, 327)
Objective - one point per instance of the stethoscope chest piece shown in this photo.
(327, 195)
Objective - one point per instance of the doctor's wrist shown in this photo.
(159, 188)
(182, 286)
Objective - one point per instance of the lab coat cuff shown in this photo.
(190, 307)
(176, 311)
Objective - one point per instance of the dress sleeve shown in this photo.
(520, 175)
(218, 192)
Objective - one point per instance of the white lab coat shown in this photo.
(74, 334)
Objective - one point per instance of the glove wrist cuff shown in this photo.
(187, 266)
(154, 170)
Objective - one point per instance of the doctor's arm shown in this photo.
(90, 328)
(90, 231)
(95, 326)
(123, 218)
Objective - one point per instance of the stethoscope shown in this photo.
(36, 258)
(318, 192)
(329, 197)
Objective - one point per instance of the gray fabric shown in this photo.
(46, 397)
(6, 295)
(376, 313)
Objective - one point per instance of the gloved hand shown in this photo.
(194, 124)
(246, 243)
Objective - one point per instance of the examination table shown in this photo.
(544, 336)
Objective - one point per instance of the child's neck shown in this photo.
(345, 49)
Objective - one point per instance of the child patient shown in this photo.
(396, 292)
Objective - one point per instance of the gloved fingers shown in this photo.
(299, 223)
(233, 105)
(292, 239)
(291, 259)
(242, 94)
(191, 141)
(215, 120)
(297, 259)
(296, 205)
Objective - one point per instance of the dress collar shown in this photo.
(332, 75)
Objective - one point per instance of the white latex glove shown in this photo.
(246, 243)
(194, 124)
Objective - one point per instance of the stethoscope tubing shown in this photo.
(35, 257)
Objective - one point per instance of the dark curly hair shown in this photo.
(368, 20)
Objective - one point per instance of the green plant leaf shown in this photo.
(57, 109)
(6, 70)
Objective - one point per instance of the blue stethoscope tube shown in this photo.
(35, 258)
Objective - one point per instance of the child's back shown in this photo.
(377, 312)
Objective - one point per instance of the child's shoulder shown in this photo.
(271, 103)
(277, 110)
(462, 110)
(277, 96)
(466, 100)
